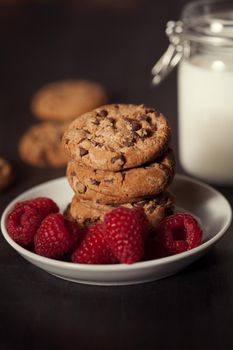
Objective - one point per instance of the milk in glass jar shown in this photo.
(202, 44)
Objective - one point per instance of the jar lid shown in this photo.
(205, 22)
(210, 22)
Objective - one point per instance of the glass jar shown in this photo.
(202, 44)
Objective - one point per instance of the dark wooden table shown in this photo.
(116, 45)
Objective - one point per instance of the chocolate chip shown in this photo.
(114, 159)
(151, 208)
(112, 120)
(95, 122)
(94, 182)
(149, 133)
(103, 113)
(162, 199)
(110, 181)
(149, 120)
(135, 125)
(128, 143)
(150, 110)
(97, 144)
(145, 117)
(145, 134)
(81, 188)
(90, 221)
(120, 158)
(82, 151)
(73, 173)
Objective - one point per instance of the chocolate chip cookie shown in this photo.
(116, 137)
(6, 174)
(66, 100)
(41, 145)
(130, 185)
(87, 212)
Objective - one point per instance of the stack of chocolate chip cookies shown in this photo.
(119, 156)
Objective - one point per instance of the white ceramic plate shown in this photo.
(208, 205)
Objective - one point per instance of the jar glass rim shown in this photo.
(209, 21)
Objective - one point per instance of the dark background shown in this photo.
(116, 43)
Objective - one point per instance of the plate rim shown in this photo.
(112, 267)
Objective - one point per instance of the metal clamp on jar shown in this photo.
(202, 44)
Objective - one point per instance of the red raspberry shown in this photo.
(93, 248)
(52, 239)
(125, 232)
(24, 220)
(22, 224)
(179, 232)
(154, 249)
(44, 205)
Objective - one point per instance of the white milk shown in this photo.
(206, 118)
